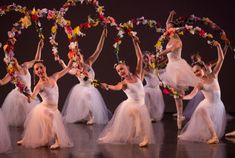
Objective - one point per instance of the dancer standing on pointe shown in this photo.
(44, 124)
(131, 121)
(84, 102)
(208, 122)
(153, 94)
(178, 72)
(16, 107)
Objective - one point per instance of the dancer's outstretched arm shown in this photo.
(5, 80)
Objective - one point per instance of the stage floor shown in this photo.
(166, 146)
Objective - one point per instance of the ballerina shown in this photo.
(193, 103)
(5, 141)
(44, 124)
(178, 73)
(131, 121)
(207, 123)
(153, 94)
(15, 106)
(84, 102)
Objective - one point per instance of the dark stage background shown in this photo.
(221, 12)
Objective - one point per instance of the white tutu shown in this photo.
(131, 121)
(179, 74)
(5, 141)
(153, 96)
(81, 100)
(41, 126)
(16, 107)
(154, 102)
(197, 129)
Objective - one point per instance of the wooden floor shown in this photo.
(166, 146)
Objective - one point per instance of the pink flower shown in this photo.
(165, 91)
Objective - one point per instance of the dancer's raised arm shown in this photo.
(99, 48)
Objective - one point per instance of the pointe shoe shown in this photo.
(230, 134)
(180, 120)
(55, 146)
(19, 142)
(213, 140)
(144, 143)
(91, 121)
(153, 120)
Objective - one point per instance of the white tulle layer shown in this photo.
(5, 141)
(129, 124)
(179, 74)
(81, 100)
(41, 126)
(16, 108)
(154, 102)
(197, 128)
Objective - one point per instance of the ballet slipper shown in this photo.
(180, 120)
(91, 121)
(213, 140)
(230, 134)
(153, 120)
(19, 142)
(55, 146)
(144, 143)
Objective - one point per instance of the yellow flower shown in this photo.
(181, 33)
(209, 35)
(68, 22)
(26, 21)
(76, 30)
(100, 9)
(69, 36)
(34, 12)
(53, 29)
(158, 44)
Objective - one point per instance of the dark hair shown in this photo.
(200, 64)
(38, 62)
(119, 62)
(194, 57)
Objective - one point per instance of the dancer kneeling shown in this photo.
(131, 121)
(207, 123)
(44, 123)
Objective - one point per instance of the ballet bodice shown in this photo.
(175, 55)
(151, 80)
(135, 91)
(211, 91)
(26, 79)
(50, 95)
(91, 76)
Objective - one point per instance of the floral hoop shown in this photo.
(25, 22)
(127, 28)
(73, 34)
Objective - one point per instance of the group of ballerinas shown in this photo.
(44, 125)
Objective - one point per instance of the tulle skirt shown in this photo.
(5, 141)
(16, 108)
(154, 102)
(192, 104)
(179, 74)
(129, 124)
(43, 123)
(82, 100)
(197, 129)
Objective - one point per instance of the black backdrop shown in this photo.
(221, 12)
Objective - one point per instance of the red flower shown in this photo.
(117, 40)
(34, 17)
(165, 91)
(71, 55)
(202, 33)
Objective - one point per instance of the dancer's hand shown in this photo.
(216, 43)
(105, 31)
(135, 39)
(172, 12)
(104, 86)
